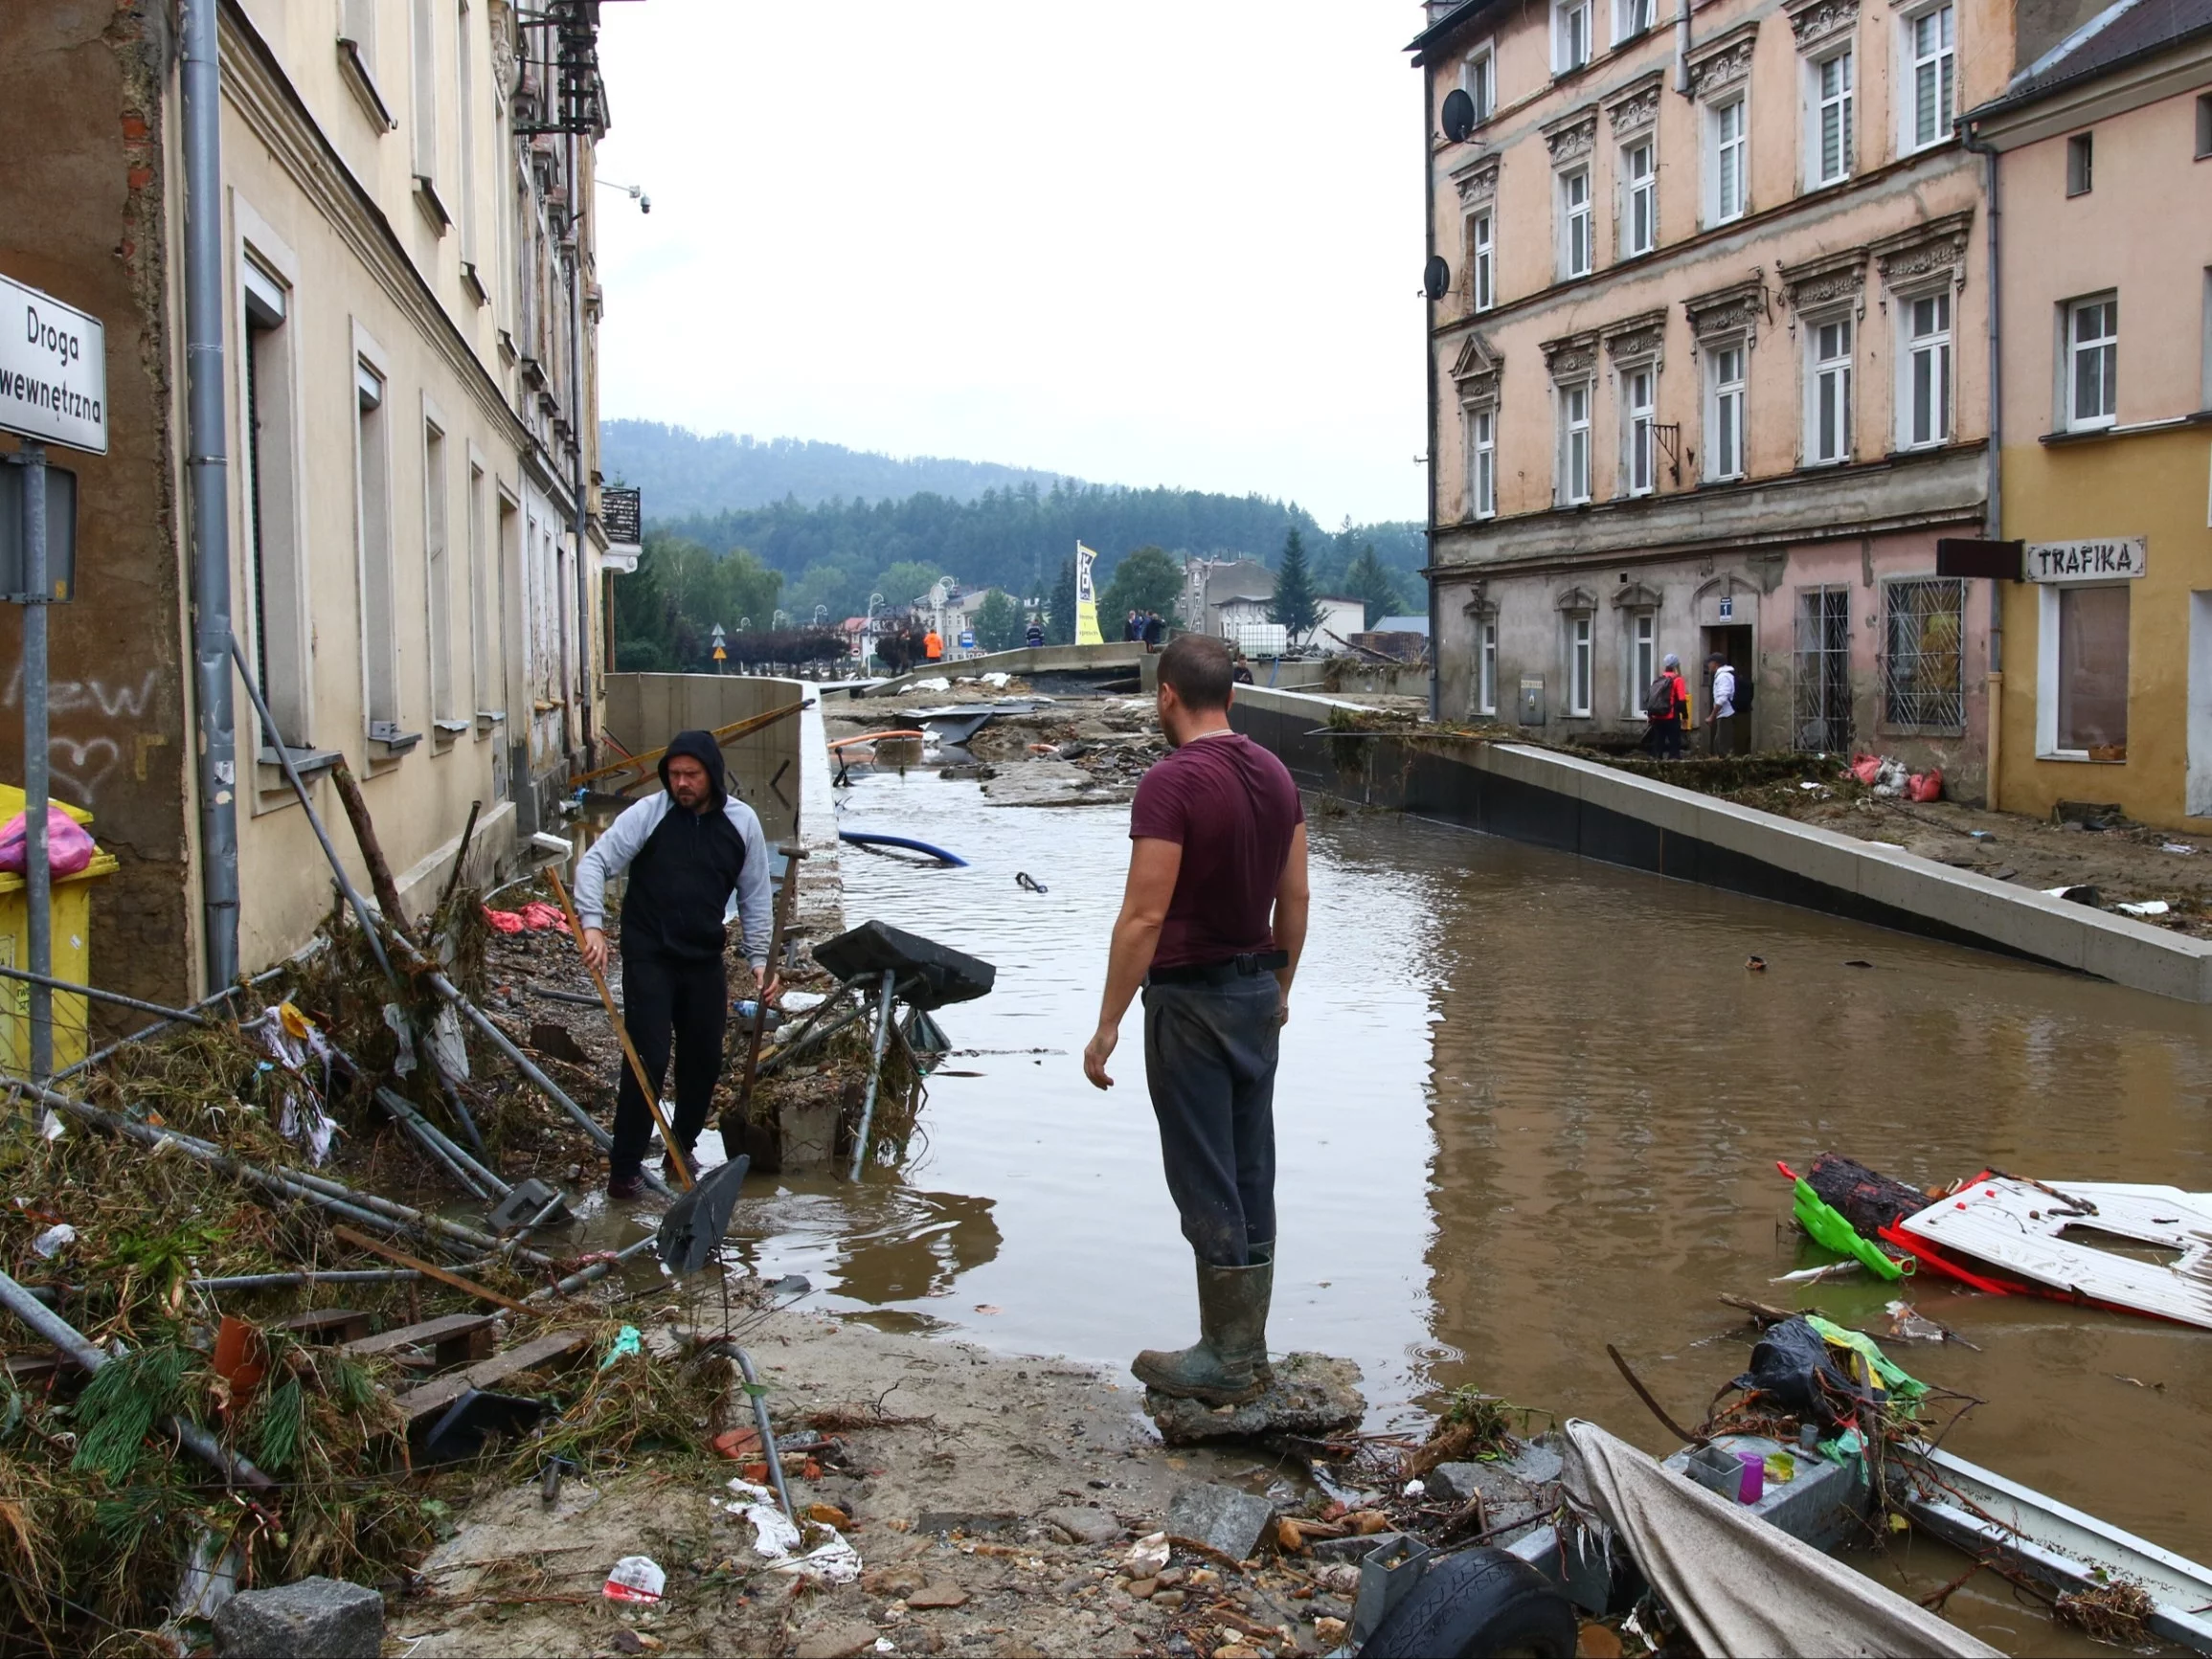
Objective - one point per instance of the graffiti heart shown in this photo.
(89, 723)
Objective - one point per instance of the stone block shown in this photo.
(1312, 1395)
(1221, 1517)
(314, 1619)
(1084, 1525)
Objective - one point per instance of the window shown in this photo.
(1486, 665)
(1632, 17)
(1643, 659)
(1478, 79)
(1574, 237)
(1640, 401)
(2092, 359)
(1482, 463)
(1639, 200)
(1569, 35)
(1828, 139)
(1821, 693)
(1925, 406)
(1578, 664)
(372, 481)
(1923, 681)
(2080, 158)
(1931, 47)
(439, 570)
(465, 58)
(271, 500)
(1481, 259)
(357, 29)
(2093, 670)
(2203, 124)
(1727, 176)
(1724, 411)
(1828, 392)
(481, 601)
(425, 89)
(1575, 444)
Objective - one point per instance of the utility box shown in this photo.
(71, 937)
(1532, 701)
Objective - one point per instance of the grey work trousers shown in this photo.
(1209, 1059)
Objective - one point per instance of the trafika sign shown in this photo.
(2117, 558)
(52, 369)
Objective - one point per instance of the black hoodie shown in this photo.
(683, 877)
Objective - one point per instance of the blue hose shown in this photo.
(874, 839)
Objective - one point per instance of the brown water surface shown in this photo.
(1530, 1105)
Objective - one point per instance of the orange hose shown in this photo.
(871, 736)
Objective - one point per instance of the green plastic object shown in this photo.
(1894, 1377)
(1832, 1231)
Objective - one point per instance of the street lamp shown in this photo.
(821, 614)
(636, 194)
(779, 618)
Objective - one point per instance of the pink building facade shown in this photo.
(1709, 362)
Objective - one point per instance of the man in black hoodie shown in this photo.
(696, 858)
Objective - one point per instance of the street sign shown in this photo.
(2122, 558)
(721, 655)
(52, 369)
(1966, 556)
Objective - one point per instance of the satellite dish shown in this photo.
(1458, 115)
(1437, 277)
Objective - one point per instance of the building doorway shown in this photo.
(1820, 712)
(1732, 641)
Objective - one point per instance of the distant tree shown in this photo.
(1147, 580)
(1367, 581)
(906, 581)
(1294, 590)
(998, 622)
(665, 609)
(1060, 606)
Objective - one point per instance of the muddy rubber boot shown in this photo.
(1263, 1258)
(1217, 1368)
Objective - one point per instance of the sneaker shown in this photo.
(624, 1188)
(691, 1160)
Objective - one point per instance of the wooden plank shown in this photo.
(451, 1330)
(327, 1325)
(363, 1241)
(436, 1396)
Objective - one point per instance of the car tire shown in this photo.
(1481, 1603)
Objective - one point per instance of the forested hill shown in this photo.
(682, 473)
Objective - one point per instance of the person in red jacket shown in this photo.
(1667, 707)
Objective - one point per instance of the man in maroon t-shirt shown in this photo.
(1212, 922)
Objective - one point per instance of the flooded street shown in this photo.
(1528, 1105)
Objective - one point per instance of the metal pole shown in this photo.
(276, 1281)
(874, 1076)
(46, 982)
(37, 875)
(576, 1282)
(206, 462)
(584, 655)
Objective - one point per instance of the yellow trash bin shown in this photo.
(72, 952)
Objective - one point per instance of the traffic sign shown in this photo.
(52, 369)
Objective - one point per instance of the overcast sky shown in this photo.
(1139, 242)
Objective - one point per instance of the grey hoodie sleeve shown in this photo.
(752, 902)
(611, 854)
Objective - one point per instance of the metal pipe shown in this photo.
(46, 982)
(584, 661)
(141, 1035)
(335, 1276)
(767, 1434)
(1682, 46)
(314, 818)
(874, 1076)
(597, 1271)
(398, 1105)
(411, 1120)
(37, 872)
(207, 465)
(71, 1341)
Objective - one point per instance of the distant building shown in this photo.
(1340, 616)
(1220, 595)
(2100, 149)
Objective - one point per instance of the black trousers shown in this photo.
(1209, 1059)
(1665, 738)
(668, 998)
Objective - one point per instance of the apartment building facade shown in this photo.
(2103, 150)
(410, 419)
(1709, 364)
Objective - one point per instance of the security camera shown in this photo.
(645, 204)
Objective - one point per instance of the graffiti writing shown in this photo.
(92, 722)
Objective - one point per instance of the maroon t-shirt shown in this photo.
(1231, 807)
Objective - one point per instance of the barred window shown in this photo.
(1923, 630)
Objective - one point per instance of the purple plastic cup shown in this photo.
(1754, 1483)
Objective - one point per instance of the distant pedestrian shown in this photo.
(1036, 634)
(1721, 717)
(1212, 922)
(1241, 672)
(1155, 630)
(1667, 705)
(1131, 630)
(933, 644)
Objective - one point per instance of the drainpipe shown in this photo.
(207, 467)
(1682, 46)
(584, 661)
(1429, 351)
(1995, 515)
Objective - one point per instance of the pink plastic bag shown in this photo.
(1924, 785)
(69, 848)
(1866, 768)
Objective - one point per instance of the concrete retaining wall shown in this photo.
(1577, 806)
(1044, 660)
(644, 710)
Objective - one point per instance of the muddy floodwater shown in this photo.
(1528, 1105)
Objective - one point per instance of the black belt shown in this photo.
(1242, 967)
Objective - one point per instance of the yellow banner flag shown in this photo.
(1086, 599)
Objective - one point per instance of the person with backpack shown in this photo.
(1721, 717)
(1667, 705)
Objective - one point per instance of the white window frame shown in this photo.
(1486, 664)
(273, 477)
(1567, 36)
(1483, 461)
(1937, 349)
(2047, 655)
(1482, 257)
(1639, 190)
(1828, 375)
(1940, 63)
(1727, 158)
(1726, 399)
(1632, 18)
(2075, 353)
(1581, 663)
(1639, 422)
(1642, 640)
(1478, 79)
(438, 566)
(1577, 223)
(370, 390)
(1819, 100)
(422, 87)
(1574, 398)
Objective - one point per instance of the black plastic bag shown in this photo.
(1795, 1371)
